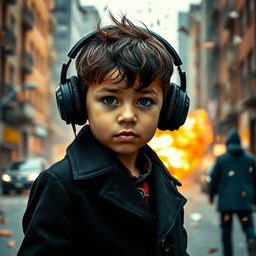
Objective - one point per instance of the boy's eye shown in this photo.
(145, 102)
(109, 100)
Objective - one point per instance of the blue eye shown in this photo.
(109, 100)
(145, 102)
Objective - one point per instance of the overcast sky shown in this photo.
(161, 16)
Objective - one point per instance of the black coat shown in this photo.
(87, 204)
(233, 178)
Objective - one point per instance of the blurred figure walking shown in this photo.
(233, 180)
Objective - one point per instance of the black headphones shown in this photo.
(71, 103)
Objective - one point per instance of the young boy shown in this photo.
(111, 194)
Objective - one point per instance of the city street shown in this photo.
(201, 221)
(190, 71)
(202, 224)
(13, 207)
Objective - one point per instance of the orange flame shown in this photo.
(182, 150)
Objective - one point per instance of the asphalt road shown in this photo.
(202, 225)
(201, 222)
(13, 207)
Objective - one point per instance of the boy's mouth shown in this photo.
(126, 136)
(126, 133)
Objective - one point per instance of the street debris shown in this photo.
(213, 250)
(11, 243)
(2, 220)
(195, 216)
(5, 232)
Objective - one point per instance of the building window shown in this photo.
(231, 4)
(250, 63)
(241, 27)
(249, 10)
(11, 76)
(12, 23)
(242, 20)
(242, 72)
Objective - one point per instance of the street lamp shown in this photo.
(13, 93)
(9, 96)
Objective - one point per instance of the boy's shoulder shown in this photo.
(60, 169)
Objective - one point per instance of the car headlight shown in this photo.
(6, 178)
(32, 176)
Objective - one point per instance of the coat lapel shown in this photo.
(168, 201)
(122, 192)
(89, 160)
(119, 189)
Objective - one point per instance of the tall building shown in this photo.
(24, 59)
(9, 65)
(183, 19)
(35, 36)
(189, 33)
(227, 53)
(73, 21)
(236, 85)
(209, 56)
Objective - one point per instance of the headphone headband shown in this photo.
(72, 53)
(71, 101)
(83, 41)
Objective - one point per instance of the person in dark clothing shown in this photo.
(111, 194)
(233, 179)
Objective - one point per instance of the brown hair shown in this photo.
(128, 51)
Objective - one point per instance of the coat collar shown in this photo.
(83, 150)
(89, 159)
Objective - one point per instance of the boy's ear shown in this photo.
(174, 110)
(71, 101)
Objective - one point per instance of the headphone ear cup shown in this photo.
(64, 101)
(70, 102)
(182, 108)
(174, 110)
(79, 114)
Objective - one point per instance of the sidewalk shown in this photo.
(202, 225)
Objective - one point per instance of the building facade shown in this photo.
(227, 53)
(35, 36)
(73, 21)
(25, 33)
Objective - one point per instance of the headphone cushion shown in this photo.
(79, 114)
(168, 109)
(174, 110)
(182, 109)
(65, 101)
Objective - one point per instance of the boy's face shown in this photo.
(123, 120)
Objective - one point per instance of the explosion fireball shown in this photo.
(182, 150)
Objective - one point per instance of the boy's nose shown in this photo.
(127, 114)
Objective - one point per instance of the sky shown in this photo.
(160, 16)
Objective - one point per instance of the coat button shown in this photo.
(165, 246)
(163, 242)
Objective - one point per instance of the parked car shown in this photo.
(20, 175)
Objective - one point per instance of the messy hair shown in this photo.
(126, 51)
